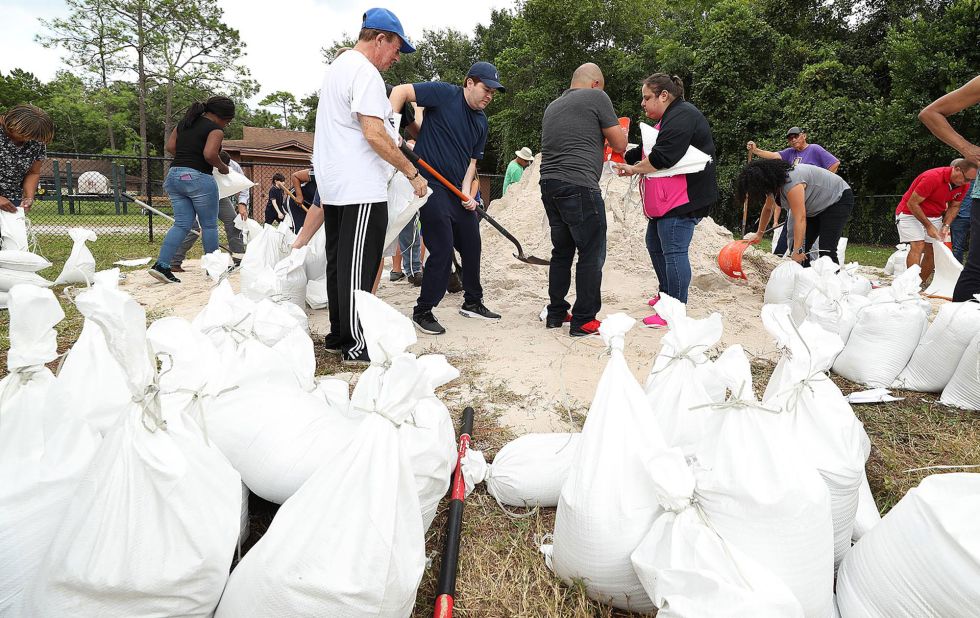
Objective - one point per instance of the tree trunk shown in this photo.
(141, 89)
(168, 114)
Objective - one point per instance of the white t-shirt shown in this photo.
(348, 171)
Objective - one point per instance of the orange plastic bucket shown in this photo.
(616, 157)
(730, 258)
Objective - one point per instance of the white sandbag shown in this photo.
(674, 388)
(4, 300)
(291, 277)
(363, 553)
(152, 528)
(782, 282)
(11, 259)
(250, 229)
(689, 570)
(13, 230)
(923, 559)
(216, 264)
(854, 283)
(963, 390)
(821, 276)
(885, 334)
(867, 516)
(316, 255)
(316, 293)
(896, 261)
(402, 205)
(821, 421)
(91, 382)
(231, 183)
(947, 272)
(835, 315)
(762, 494)
(10, 278)
(935, 358)
(93, 182)
(43, 451)
(841, 249)
(262, 252)
(397, 379)
(79, 268)
(528, 471)
(609, 501)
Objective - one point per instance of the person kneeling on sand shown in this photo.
(573, 131)
(451, 139)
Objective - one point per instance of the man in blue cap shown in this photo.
(451, 140)
(354, 149)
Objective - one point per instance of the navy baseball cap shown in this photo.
(385, 20)
(486, 73)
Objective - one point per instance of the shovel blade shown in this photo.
(530, 259)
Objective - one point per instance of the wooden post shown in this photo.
(57, 186)
(71, 192)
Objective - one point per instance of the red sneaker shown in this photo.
(653, 301)
(589, 328)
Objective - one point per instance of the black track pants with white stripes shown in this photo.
(355, 238)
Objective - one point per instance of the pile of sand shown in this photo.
(548, 372)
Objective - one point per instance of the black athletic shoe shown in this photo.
(455, 285)
(360, 358)
(396, 275)
(426, 323)
(332, 345)
(478, 310)
(163, 274)
(549, 323)
(415, 280)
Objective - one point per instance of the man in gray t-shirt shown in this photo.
(573, 131)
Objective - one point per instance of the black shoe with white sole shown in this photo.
(426, 323)
(331, 344)
(360, 358)
(478, 310)
(163, 274)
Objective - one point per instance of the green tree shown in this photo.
(286, 103)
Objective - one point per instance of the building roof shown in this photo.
(278, 143)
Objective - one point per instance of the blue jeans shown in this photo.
(668, 239)
(960, 231)
(193, 194)
(410, 242)
(577, 218)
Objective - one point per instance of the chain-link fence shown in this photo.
(101, 193)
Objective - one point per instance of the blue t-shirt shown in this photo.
(813, 154)
(452, 132)
(967, 203)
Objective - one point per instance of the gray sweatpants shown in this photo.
(226, 214)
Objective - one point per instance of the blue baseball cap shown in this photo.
(486, 73)
(385, 20)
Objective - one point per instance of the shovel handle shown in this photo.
(286, 189)
(418, 162)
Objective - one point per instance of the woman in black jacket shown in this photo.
(673, 204)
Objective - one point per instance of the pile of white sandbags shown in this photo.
(526, 472)
(609, 500)
(962, 391)
(886, 333)
(923, 559)
(935, 359)
(820, 418)
(20, 267)
(272, 269)
(153, 524)
(830, 296)
(44, 451)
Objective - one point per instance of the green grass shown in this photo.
(94, 214)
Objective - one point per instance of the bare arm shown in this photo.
(171, 146)
(951, 212)
(379, 140)
(468, 182)
(400, 95)
(767, 211)
(30, 186)
(314, 219)
(298, 178)
(616, 136)
(765, 154)
(833, 168)
(934, 117)
(211, 149)
(797, 210)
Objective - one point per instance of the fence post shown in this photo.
(71, 192)
(115, 185)
(149, 196)
(57, 186)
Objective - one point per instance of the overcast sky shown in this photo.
(283, 37)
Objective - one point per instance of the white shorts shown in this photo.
(910, 230)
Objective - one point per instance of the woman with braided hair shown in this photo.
(196, 145)
(24, 132)
(818, 202)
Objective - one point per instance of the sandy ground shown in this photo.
(550, 371)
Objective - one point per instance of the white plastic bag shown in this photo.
(80, 266)
(962, 390)
(674, 387)
(10, 278)
(43, 451)
(153, 527)
(231, 183)
(13, 230)
(935, 358)
(291, 277)
(923, 559)
(782, 282)
(609, 501)
(947, 272)
(215, 264)
(12, 259)
(689, 570)
(821, 421)
(402, 205)
(316, 255)
(896, 261)
(316, 293)
(262, 253)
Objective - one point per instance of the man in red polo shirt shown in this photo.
(927, 208)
